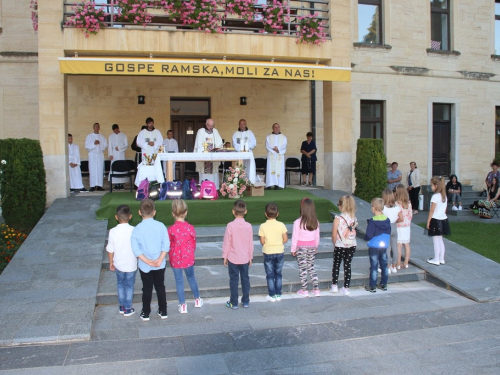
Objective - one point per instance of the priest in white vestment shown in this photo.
(96, 144)
(244, 140)
(149, 139)
(276, 149)
(170, 146)
(212, 138)
(75, 173)
(117, 145)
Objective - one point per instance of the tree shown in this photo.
(370, 170)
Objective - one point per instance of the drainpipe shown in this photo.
(313, 116)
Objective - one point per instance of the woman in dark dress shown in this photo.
(308, 150)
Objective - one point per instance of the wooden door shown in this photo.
(441, 142)
(185, 129)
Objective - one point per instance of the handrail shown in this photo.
(294, 10)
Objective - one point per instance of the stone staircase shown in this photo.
(213, 280)
(468, 197)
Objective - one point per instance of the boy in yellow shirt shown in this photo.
(273, 236)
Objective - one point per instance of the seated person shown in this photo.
(454, 191)
(492, 200)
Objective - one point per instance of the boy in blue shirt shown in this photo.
(150, 244)
(378, 234)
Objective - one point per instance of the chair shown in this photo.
(260, 166)
(292, 165)
(122, 166)
(84, 167)
(494, 211)
(224, 166)
(190, 171)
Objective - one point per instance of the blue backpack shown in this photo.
(163, 192)
(174, 190)
(186, 190)
(142, 190)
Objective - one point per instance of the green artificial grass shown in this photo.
(468, 233)
(219, 212)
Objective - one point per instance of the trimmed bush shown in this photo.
(370, 170)
(24, 183)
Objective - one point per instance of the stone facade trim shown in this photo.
(382, 47)
(476, 75)
(410, 70)
(431, 51)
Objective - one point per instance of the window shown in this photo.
(370, 21)
(497, 27)
(372, 119)
(440, 25)
(497, 130)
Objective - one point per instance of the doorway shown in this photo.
(441, 139)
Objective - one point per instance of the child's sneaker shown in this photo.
(454, 208)
(370, 289)
(183, 309)
(379, 270)
(163, 314)
(345, 291)
(382, 287)
(334, 288)
(246, 305)
(128, 312)
(271, 298)
(303, 293)
(144, 316)
(229, 305)
(460, 208)
(198, 302)
(122, 310)
(278, 297)
(316, 292)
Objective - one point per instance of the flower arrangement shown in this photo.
(34, 14)
(201, 15)
(133, 11)
(275, 15)
(244, 9)
(10, 241)
(310, 30)
(235, 182)
(87, 17)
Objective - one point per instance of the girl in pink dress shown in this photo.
(181, 255)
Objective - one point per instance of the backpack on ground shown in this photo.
(174, 190)
(142, 190)
(208, 190)
(186, 190)
(195, 188)
(163, 191)
(154, 190)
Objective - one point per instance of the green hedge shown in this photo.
(24, 183)
(370, 170)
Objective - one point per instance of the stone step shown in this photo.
(213, 281)
(461, 213)
(208, 254)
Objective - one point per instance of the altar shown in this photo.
(215, 157)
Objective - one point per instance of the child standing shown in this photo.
(305, 242)
(273, 236)
(378, 233)
(122, 260)
(437, 222)
(182, 238)
(403, 201)
(395, 216)
(237, 252)
(150, 244)
(343, 248)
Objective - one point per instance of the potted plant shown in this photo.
(244, 9)
(310, 30)
(88, 18)
(235, 182)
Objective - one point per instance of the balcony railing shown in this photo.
(228, 23)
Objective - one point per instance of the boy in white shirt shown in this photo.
(122, 259)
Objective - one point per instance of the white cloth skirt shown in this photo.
(404, 234)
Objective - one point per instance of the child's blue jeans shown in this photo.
(273, 264)
(179, 283)
(378, 256)
(125, 282)
(237, 271)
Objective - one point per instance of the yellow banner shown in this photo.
(197, 68)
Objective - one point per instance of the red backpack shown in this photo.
(208, 190)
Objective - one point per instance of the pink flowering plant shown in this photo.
(235, 182)
(274, 15)
(201, 15)
(244, 9)
(134, 11)
(34, 14)
(310, 30)
(87, 17)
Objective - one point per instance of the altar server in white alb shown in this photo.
(170, 146)
(276, 149)
(212, 138)
(75, 173)
(149, 139)
(244, 140)
(96, 144)
(118, 144)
